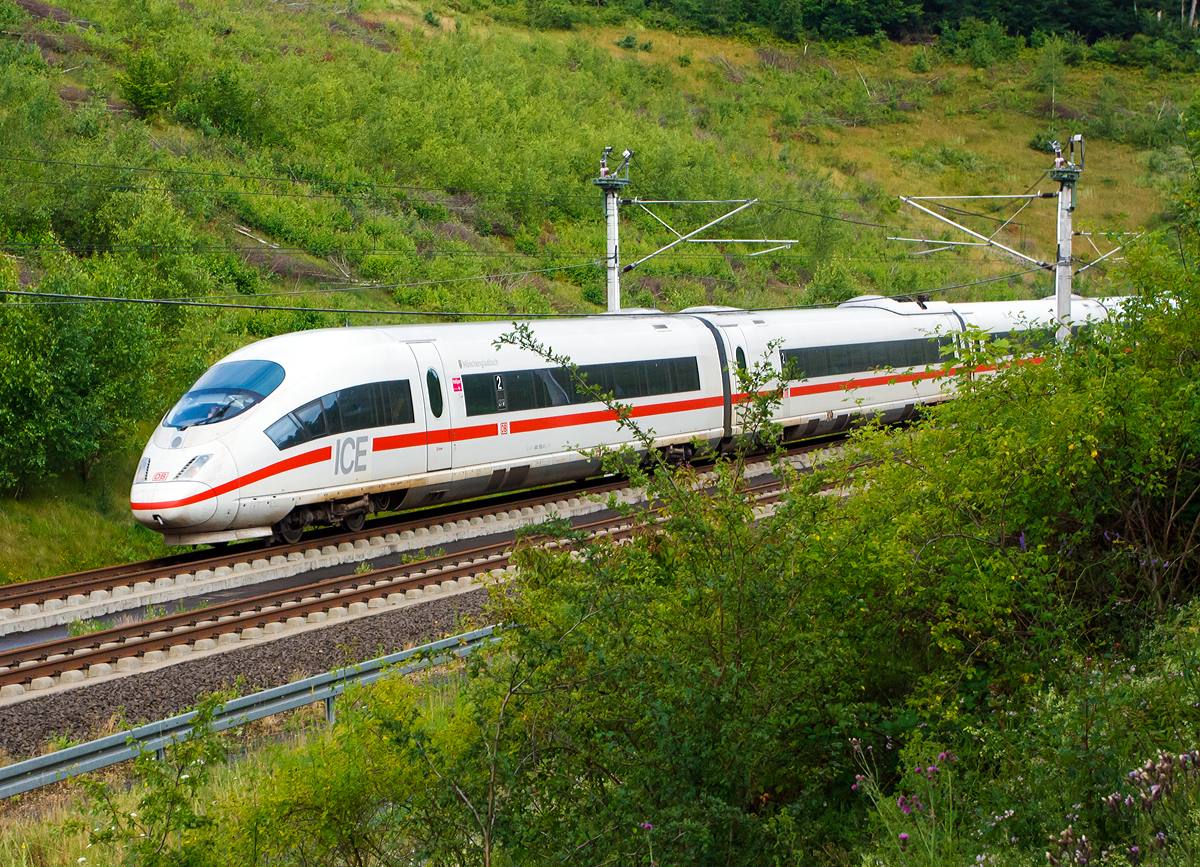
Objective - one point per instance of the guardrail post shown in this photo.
(329, 715)
(161, 754)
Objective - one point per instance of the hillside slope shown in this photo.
(389, 157)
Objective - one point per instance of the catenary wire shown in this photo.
(169, 302)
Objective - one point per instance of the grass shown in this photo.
(842, 129)
(69, 526)
(42, 828)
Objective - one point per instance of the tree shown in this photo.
(75, 378)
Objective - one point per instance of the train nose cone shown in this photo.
(173, 505)
(167, 503)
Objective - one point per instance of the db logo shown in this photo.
(160, 477)
(503, 428)
(457, 384)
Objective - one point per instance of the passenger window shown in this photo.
(521, 392)
(625, 380)
(687, 375)
(658, 376)
(397, 402)
(741, 359)
(435, 392)
(556, 385)
(285, 433)
(333, 415)
(357, 404)
(312, 419)
(479, 394)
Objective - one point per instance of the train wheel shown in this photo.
(290, 529)
(355, 521)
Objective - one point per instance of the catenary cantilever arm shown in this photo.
(682, 238)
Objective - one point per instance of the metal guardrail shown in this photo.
(156, 736)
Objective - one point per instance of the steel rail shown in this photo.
(105, 578)
(52, 658)
(161, 633)
(156, 736)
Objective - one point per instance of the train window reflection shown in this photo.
(813, 362)
(359, 407)
(286, 433)
(225, 390)
(545, 387)
(435, 392)
(312, 418)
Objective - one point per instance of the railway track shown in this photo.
(100, 592)
(80, 587)
(73, 660)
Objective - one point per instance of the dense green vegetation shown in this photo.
(985, 652)
(961, 661)
(1161, 37)
(320, 159)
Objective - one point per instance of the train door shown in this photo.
(739, 361)
(965, 321)
(437, 413)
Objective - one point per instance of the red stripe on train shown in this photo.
(892, 379)
(419, 438)
(292, 463)
(604, 415)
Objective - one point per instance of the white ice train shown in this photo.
(324, 427)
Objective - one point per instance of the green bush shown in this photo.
(151, 81)
(10, 13)
(982, 44)
(551, 14)
(223, 103)
(920, 62)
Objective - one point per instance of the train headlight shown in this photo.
(192, 467)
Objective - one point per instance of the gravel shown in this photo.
(82, 712)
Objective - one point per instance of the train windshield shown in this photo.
(225, 391)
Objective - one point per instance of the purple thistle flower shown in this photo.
(1022, 540)
(904, 804)
(903, 840)
(647, 826)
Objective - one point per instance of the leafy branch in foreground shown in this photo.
(169, 825)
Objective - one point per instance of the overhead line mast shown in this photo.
(612, 183)
(1067, 173)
